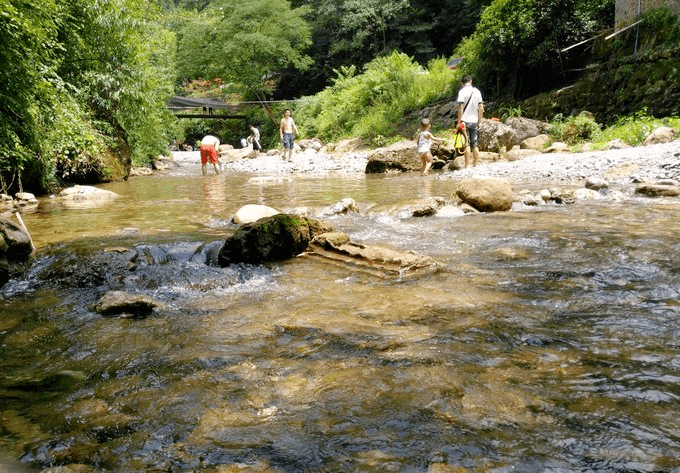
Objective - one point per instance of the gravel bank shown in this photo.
(639, 164)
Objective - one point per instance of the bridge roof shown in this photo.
(179, 102)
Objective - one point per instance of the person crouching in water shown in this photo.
(209, 146)
(425, 139)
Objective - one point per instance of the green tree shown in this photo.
(245, 43)
(28, 55)
(354, 32)
(516, 47)
(79, 82)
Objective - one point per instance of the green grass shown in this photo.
(632, 130)
(635, 128)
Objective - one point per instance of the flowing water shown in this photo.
(550, 342)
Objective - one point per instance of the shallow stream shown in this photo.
(550, 343)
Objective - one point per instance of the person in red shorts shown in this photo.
(210, 146)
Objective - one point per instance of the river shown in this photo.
(549, 343)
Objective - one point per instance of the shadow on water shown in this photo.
(549, 343)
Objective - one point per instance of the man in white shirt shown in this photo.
(470, 112)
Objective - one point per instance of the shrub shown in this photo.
(574, 130)
(373, 103)
(635, 128)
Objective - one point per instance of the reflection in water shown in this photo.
(549, 344)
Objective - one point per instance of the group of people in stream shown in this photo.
(288, 130)
(470, 114)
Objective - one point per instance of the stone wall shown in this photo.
(617, 88)
(627, 10)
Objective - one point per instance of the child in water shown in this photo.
(425, 139)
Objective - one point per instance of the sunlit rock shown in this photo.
(562, 196)
(274, 238)
(400, 156)
(310, 143)
(494, 135)
(346, 146)
(586, 194)
(141, 171)
(526, 128)
(486, 194)
(230, 155)
(343, 206)
(615, 144)
(252, 213)
(528, 198)
(125, 303)
(517, 154)
(79, 193)
(25, 199)
(662, 134)
(535, 142)
(596, 183)
(558, 147)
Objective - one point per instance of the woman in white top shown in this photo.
(425, 139)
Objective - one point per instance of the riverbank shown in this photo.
(630, 165)
(624, 166)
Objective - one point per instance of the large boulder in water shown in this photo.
(272, 238)
(486, 194)
(401, 156)
(15, 248)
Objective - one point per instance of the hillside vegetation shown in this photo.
(83, 85)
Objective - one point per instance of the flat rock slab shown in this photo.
(376, 260)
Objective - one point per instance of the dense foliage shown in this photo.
(82, 89)
(372, 104)
(244, 43)
(516, 49)
(83, 84)
(354, 32)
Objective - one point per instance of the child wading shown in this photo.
(425, 139)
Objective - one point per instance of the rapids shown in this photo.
(550, 343)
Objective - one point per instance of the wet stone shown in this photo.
(122, 303)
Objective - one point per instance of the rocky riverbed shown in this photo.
(639, 164)
(654, 163)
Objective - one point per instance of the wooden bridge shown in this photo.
(179, 104)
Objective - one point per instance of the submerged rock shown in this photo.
(425, 207)
(658, 190)
(121, 302)
(274, 238)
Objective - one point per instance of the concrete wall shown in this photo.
(627, 10)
